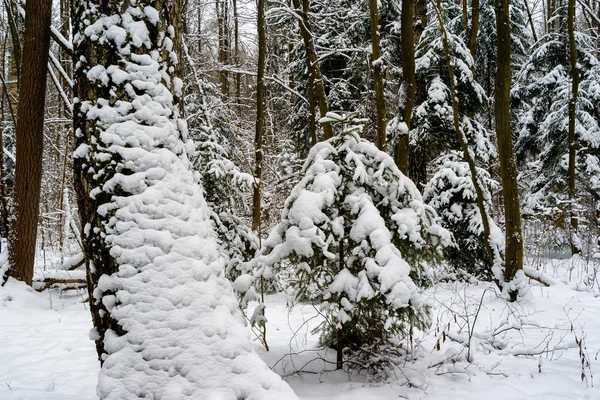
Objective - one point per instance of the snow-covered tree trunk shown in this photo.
(166, 323)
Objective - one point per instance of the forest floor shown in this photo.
(546, 346)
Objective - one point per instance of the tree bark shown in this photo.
(260, 117)
(236, 55)
(221, 10)
(30, 138)
(314, 69)
(417, 158)
(377, 63)
(3, 189)
(409, 84)
(512, 214)
(572, 120)
(473, 30)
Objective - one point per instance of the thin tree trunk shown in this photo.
(572, 119)
(222, 53)
(311, 107)
(236, 38)
(529, 16)
(15, 33)
(409, 84)
(473, 30)
(420, 19)
(340, 331)
(512, 214)
(315, 70)
(258, 142)
(417, 158)
(260, 116)
(465, 145)
(550, 11)
(377, 63)
(199, 22)
(65, 10)
(30, 138)
(3, 191)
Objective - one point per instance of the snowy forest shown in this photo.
(299, 199)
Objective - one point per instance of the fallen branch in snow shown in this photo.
(539, 276)
(48, 282)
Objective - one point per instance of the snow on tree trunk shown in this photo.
(166, 321)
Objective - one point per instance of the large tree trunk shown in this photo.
(159, 297)
(408, 88)
(571, 134)
(30, 139)
(378, 75)
(512, 214)
(314, 69)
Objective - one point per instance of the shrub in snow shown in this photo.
(359, 237)
(225, 187)
(451, 193)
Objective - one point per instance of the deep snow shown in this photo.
(45, 351)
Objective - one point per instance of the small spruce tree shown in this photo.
(359, 237)
(451, 193)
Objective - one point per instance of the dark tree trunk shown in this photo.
(530, 18)
(473, 31)
(260, 117)
(3, 189)
(30, 138)
(378, 75)
(418, 156)
(221, 10)
(571, 134)
(513, 261)
(311, 56)
(236, 50)
(409, 85)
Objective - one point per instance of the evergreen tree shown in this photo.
(225, 188)
(432, 123)
(359, 238)
(542, 94)
(451, 193)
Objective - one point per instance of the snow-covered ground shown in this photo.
(518, 351)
